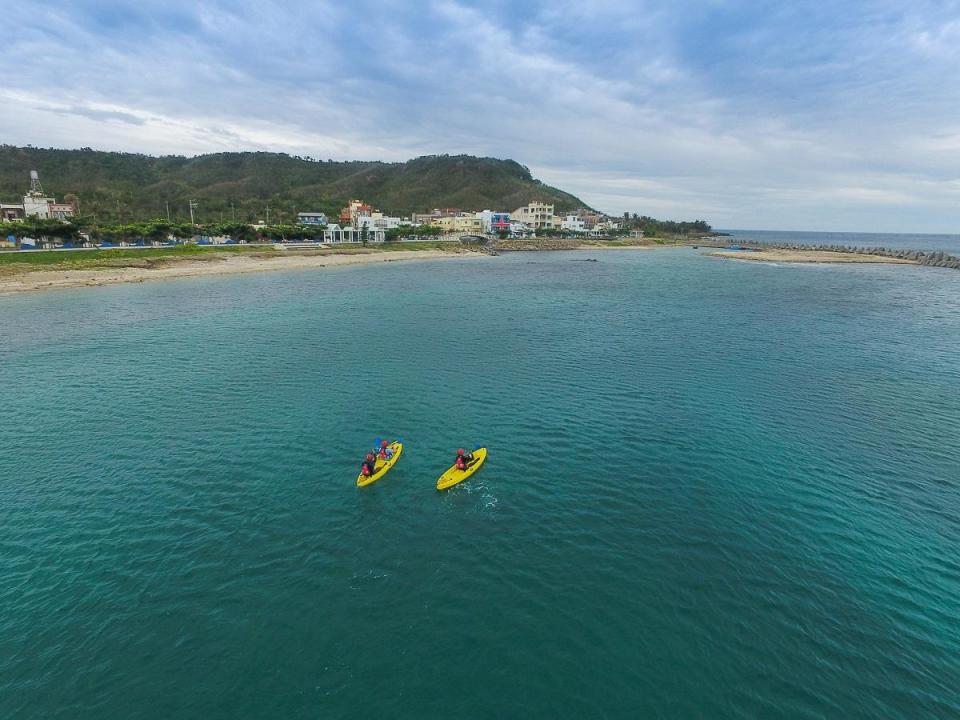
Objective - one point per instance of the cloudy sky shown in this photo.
(747, 113)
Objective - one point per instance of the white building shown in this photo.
(573, 223)
(36, 204)
(336, 235)
(604, 228)
(377, 219)
(520, 229)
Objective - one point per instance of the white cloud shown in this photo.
(804, 114)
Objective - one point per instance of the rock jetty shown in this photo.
(935, 258)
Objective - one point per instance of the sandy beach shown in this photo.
(807, 256)
(28, 279)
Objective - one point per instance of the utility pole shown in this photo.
(268, 213)
(193, 204)
(168, 210)
(233, 213)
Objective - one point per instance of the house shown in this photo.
(589, 218)
(426, 218)
(312, 218)
(573, 223)
(358, 215)
(520, 229)
(353, 211)
(604, 228)
(494, 222)
(10, 213)
(500, 222)
(377, 219)
(468, 224)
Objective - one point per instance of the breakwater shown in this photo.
(934, 258)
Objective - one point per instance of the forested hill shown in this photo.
(126, 187)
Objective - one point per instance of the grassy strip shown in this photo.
(120, 256)
(12, 263)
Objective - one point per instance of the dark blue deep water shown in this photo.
(715, 489)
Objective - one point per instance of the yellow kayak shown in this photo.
(381, 466)
(453, 476)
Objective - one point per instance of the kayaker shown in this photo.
(369, 465)
(463, 459)
(386, 452)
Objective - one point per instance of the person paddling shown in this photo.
(463, 459)
(386, 452)
(369, 465)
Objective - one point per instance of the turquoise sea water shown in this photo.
(715, 489)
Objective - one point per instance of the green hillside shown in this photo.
(126, 187)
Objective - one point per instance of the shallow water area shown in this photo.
(714, 489)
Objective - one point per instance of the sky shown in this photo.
(745, 113)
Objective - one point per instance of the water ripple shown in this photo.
(714, 490)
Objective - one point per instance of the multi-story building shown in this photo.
(378, 220)
(468, 224)
(500, 222)
(573, 223)
(485, 218)
(426, 218)
(604, 228)
(537, 214)
(355, 210)
(589, 218)
(312, 218)
(494, 222)
(358, 214)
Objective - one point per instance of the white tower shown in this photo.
(35, 183)
(34, 203)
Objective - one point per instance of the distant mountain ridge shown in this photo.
(125, 187)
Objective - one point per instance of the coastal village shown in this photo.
(39, 221)
(357, 223)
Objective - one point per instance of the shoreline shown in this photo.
(33, 280)
(808, 257)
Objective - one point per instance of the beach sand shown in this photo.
(807, 256)
(28, 279)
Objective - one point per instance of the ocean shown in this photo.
(714, 489)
